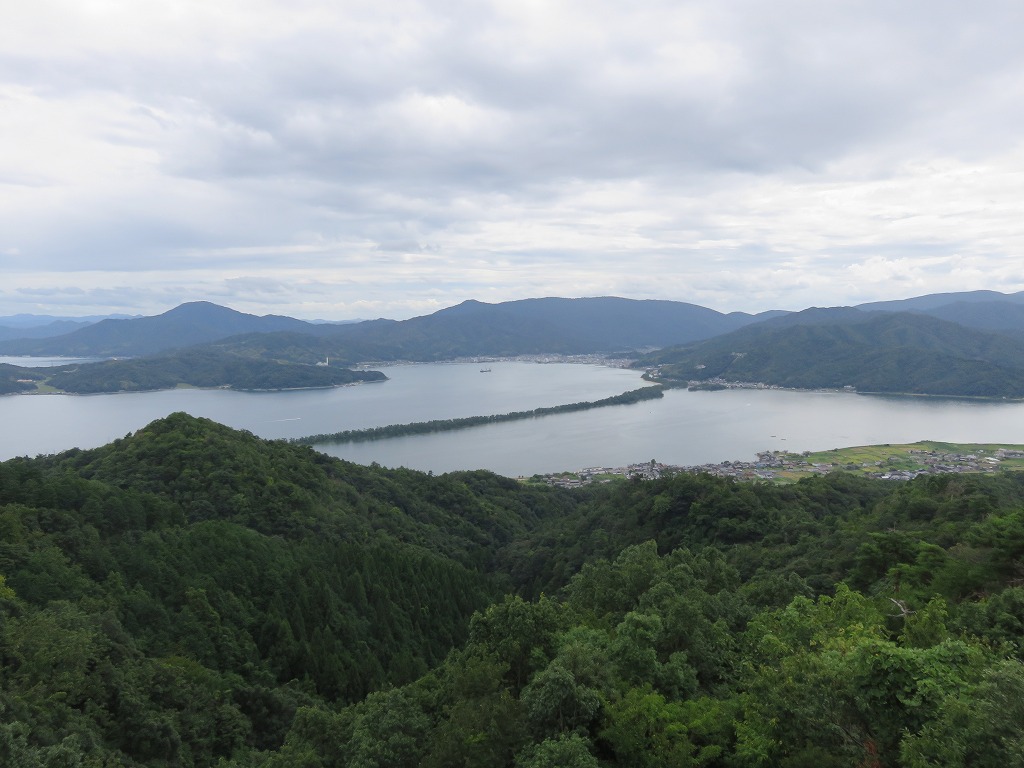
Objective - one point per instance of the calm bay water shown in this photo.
(691, 428)
(34, 424)
(682, 428)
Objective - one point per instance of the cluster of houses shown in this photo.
(651, 470)
(944, 463)
(771, 464)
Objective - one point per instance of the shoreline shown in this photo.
(696, 385)
(883, 461)
(225, 388)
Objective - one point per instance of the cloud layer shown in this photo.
(357, 159)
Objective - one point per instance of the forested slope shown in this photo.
(870, 351)
(174, 595)
(194, 596)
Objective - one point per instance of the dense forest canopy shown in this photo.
(194, 596)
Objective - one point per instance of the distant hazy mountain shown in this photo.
(935, 300)
(530, 326)
(989, 315)
(187, 325)
(43, 331)
(610, 323)
(871, 351)
(29, 326)
(986, 310)
(32, 321)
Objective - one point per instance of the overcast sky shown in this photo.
(338, 159)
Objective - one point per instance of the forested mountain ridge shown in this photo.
(31, 326)
(530, 326)
(985, 310)
(48, 330)
(186, 325)
(195, 596)
(966, 344)
(203, 345)
(526, 327)
(872, 352)
(933, 301)
(609, 323)
(990, 316)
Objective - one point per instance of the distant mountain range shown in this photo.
(187, 325)
(27, 326)
(969, 343)
(42, 331)
(531, 326)
(936, 301)
(527, 327)
(985, 310)
(26, 320)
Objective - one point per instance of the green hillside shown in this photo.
(872, 352)
(194, 596)
(14, 379)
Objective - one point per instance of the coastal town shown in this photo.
(882, 462)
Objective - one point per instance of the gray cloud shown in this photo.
(334, 159)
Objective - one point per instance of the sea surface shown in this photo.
(683, 428)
